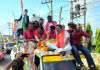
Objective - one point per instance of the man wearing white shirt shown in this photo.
(62, 40)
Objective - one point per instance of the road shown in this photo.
(4, 62)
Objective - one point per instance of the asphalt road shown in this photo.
(4, 62)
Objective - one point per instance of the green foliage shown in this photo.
(89, 31)
(97, 40)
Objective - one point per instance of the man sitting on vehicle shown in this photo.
(52, 33)
(76, 35)
(49, 23)
(40, 34)
(29, 33)
(62, 40)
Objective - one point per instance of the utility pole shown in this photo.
(71, 11)
(12, 28)
(84, 15)
(51, 6)
(51, 9)
(9, 27)
(60, 15)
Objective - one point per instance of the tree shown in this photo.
(89, 30)
(97, 40)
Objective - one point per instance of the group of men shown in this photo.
(66, 40)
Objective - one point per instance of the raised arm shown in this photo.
(19, 18)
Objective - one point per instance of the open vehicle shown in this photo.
(50, 60)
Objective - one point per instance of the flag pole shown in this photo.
(13, 15)
(21, 3)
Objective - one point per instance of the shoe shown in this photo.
(81, 68)
(93, 67)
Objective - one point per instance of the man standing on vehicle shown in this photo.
(25, 19)
(49, 23)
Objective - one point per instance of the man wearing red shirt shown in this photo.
(75, 39)
(52, 33)
(40, 34)
(29, 33)
(41, 22)
(49, 23)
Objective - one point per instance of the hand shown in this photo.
(85, 45)
(59, 50)
(18, 55)
(31, 58)
(31, 52)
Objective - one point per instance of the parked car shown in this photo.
(2, 52)
(9, 46)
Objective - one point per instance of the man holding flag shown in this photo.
(25, 19)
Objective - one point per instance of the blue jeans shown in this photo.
(85, 51)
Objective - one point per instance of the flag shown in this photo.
(15, 27)
(24, 23)
(21, 2)
(23, 17)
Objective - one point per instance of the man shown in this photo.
(76, 35)
(29, 32)
(52, 33)
(41, 22)
(62, 45)
(62, 40)
(40, 34)
(35, 25)
(63, 26)
(49, 23)
(18, 63)
(25, 19)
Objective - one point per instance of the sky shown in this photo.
(10, 9)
